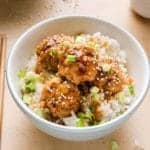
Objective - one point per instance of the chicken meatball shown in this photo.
(78, 64)
(61, 97)
(49, 51)
(110, 77)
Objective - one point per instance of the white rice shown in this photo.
(71, 121)
(110, 109)
(37, 93)
(30, 65)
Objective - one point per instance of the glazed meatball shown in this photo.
(78, 64)
(49, 51)
(110, 77)
(46, 62)
(61, 97)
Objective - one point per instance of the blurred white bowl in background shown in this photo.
(141, 7)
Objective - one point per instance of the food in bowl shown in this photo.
(79, 80)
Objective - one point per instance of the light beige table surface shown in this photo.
(17, 131)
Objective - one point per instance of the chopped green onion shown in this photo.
(71, 58)
(95, 122)
(27, 99)
(91, 44)
(41, 112)
(30, 86)
(53, 52)
(114, 145)
(22, 73)
(121, 97)
(81, 115)
(32, 77)
(95, 96)
(101, 122)
(30, 80)
(94, 89)
(80, 123)
(37, 78)
(80, 39)
(131, 90)
(106, 67)
(87, 115)
(94, 93)
(97, 46)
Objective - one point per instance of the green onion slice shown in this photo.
(131, 90)
(94, 89)
(27, 99)
(71, 58)
(30, 86)
(80, 39)
(114, 145)
(95, 93)
(80, 123)
(22, 73)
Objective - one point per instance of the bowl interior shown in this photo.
(22, 50)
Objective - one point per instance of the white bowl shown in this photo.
(141, 7)
(22, 50)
